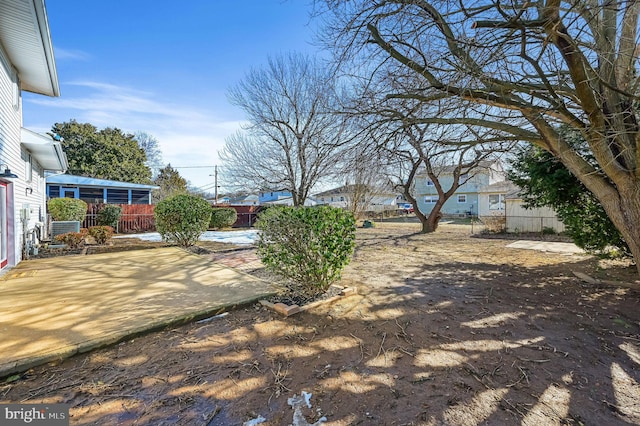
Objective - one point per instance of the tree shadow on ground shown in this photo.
(449, 335)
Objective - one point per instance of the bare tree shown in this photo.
(363, 170)
(293, 139)
(151, 148)
(414, 147)
(524, 68)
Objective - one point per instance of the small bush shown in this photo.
(223, 217)
(547, 230)
(308, 246)
(67, 209)
(73, 239)
(182, 218)
(102, 234)
(495, 224)
(109, 215)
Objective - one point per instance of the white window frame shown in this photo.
(28, 167)
(431, 199)
(462, 198)
(500, 205)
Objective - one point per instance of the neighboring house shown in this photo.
(288, 201)
(465, 200)
(26, 63)
(270, 196)
(222, 200)
(503, 199)
(492, 201)
(245, 200)
(98, 191)
(343, 197)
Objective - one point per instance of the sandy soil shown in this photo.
(446, 330)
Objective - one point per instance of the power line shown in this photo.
(192, 167)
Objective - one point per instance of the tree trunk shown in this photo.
(431, 222)
(624, 212)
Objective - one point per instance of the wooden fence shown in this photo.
(135, 218)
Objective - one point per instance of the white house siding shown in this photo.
(30, 195)
(20, 193)
(11, 114)
(520, 219)
(484, 209)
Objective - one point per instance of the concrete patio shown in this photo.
(54, 308)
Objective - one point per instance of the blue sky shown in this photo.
(164, 67)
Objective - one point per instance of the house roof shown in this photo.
(243, 198)
(482, 166)
(505, 186)
(26, 39)
(87, 181)
(350, 189)
(288, 201)
(45, 150)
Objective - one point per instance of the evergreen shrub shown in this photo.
(307, 246)
(181, 219)
(64, 209)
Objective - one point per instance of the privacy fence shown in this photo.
(135, 218)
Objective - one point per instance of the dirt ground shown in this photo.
(446, 330)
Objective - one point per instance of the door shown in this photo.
(4, 235)
(69, 192)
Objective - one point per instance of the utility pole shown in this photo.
(216, 183)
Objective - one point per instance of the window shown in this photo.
(462, 198)
(431, 199)
(496, 202)
(140, 197)
(92, 195)
(28, 167)
(341, 198)
(54, 191)
(429, 182)
(118, 196)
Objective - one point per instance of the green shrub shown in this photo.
(102, 234)
(67, 209)
(223, 217)
(182, 218)
(109, 215)
(307, 246)
(73, 239)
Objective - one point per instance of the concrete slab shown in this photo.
(53, 308)
(550, 246)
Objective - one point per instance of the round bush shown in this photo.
(223, 217)
(67, 209)
(102, 234)
(182, 218)
(308, 246)
(109, 215)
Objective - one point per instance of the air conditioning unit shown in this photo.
(63, 226)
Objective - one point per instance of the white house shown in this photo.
(372, 199)
(503, 199)
(27, 63)
(245, 200)
(288, 201)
